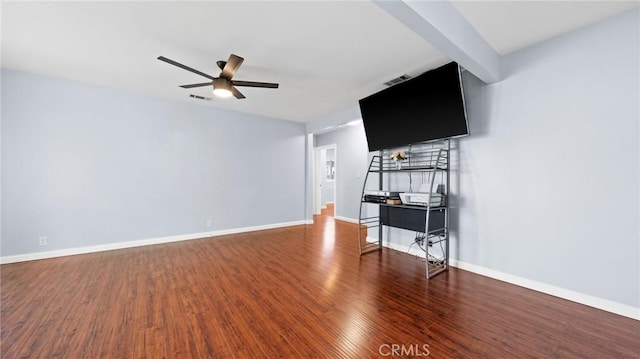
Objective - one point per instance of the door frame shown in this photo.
(317, 192)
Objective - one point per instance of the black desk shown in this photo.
(412, 218)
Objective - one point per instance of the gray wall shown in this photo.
(547, 185)
(549, 177)
(351, 161)
(86, 165)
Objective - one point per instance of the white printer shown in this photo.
(423, 197)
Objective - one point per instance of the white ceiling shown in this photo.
(512, 25)
(325, 55)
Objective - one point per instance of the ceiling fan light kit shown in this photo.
(223, 86)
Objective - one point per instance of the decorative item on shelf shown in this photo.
(399, 156)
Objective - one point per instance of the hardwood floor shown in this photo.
(328, 211)
(297, 292)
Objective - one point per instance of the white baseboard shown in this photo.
(414, 250)
(346, 219)
(142, 242)
(595, 302)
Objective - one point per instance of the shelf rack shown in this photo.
(429, 220)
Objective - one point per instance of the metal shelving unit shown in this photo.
(430, 220)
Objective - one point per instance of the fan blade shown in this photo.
(197, 85)
(237, 93)
(269, 85)
(169, 61)
(231, 67)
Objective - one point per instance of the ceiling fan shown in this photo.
(223, 85)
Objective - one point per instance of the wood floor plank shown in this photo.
(293, 292)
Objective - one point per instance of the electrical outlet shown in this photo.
(42, 241)
(209, 223)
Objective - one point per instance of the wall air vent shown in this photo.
(397, 80)
(200, 97)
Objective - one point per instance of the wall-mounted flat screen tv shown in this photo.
(424, 108)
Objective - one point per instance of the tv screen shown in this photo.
(424, 108)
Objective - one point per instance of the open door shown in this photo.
(325, 177)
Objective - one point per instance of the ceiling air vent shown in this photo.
(200, 97)
(397, 80)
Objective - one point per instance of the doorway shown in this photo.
(325, 180)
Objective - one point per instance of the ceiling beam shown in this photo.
(442, 25)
